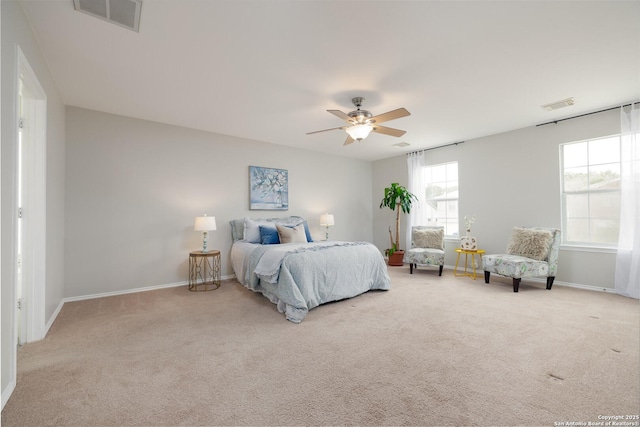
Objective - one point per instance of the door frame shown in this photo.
(34, 156)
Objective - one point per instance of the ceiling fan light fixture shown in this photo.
(359, 132)
(360, 123)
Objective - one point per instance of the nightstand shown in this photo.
(204, 270)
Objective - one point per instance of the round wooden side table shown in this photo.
(204, 270)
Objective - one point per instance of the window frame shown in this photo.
(588, 246)
(427, 182)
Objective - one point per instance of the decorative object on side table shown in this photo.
(469, 243)
(327, 220)
(397, 198)
(205, 224)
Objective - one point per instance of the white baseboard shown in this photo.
(53, 317)
(6, 393)
(134, 290)
(555, 282)
(124, 292)
(575, 285)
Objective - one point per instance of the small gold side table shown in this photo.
(204, 270)
(466, 253)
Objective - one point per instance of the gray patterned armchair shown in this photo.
(427, 247)
(532, 252)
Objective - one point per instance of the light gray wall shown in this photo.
(384, 173)
(134, 188)
(17, 31)
(510, 179)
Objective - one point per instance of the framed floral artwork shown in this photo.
(268, 188)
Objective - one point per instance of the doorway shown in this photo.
(31, 203)
(21, 318)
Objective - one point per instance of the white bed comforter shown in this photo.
(299, 277)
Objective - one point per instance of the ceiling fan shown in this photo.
(362, 122)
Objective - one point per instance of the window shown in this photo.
(591, 192)
(442, 196)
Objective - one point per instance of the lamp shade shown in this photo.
(359, 132)
(327, 219)
(205, 223)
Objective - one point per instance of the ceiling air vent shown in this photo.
(125, 13)
(401, 144)
(558, 104)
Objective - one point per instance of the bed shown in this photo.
(299, 275)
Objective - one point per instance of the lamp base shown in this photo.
(204, 241)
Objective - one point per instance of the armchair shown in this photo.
(532, 252)
(427, 247)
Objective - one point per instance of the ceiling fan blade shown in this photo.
(390, 115)
(388, 131)
(340, 115)
(349, 140)
(325, 130)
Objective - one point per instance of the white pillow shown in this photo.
(530, 243)
(428, 238)
(292, 235)
(252, 229)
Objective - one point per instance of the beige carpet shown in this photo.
(431, 351)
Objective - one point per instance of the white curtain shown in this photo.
(417, 186)
(628, 258)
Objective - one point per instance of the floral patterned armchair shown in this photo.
(532, 252)
(427, 247)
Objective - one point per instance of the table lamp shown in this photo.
(327, 220)
(205, 224)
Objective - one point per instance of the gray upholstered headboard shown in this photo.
(237, 225)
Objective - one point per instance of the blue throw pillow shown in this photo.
(307, 232)
(269, 235)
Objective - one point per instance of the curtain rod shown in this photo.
(555, 122)
(434, 148)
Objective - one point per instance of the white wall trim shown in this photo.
(124, 292)
(132, 291)
(574, 285)
(53, 318)
(6, 393)
(10, 387)
(594, 249)
(480, 276)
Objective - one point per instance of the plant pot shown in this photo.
(395, 260)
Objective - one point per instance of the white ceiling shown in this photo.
(269, 69)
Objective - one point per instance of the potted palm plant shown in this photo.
(397, 198)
